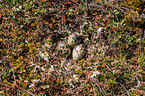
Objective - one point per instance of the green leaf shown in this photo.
(46, 86)
(78, 72)
(81, 61)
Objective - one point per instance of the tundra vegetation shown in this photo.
(113, 30)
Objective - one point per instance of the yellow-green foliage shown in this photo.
(133, 7)
(132, 4)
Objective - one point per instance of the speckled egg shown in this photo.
(73, 40)
(63, 49)
(78, 52)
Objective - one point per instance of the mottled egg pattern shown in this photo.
(63, 49)
(78, 52)
(73, 40)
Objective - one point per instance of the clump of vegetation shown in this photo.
(112, 30)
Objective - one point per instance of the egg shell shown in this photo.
(63, 49)
(73, 40)
(78, 52)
